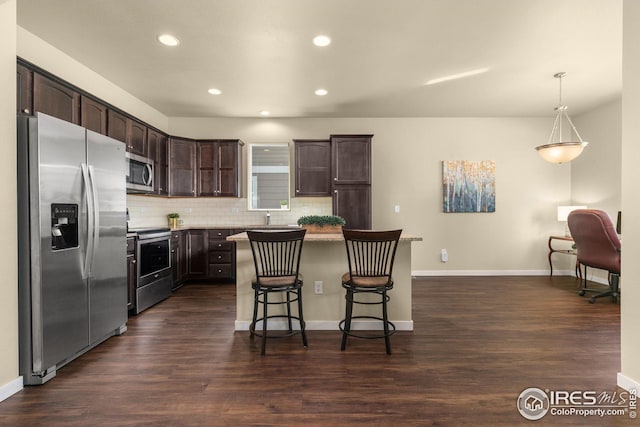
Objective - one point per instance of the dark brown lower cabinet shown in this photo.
(131, 273)
(197, 254)
(178, 258)
(222, 255)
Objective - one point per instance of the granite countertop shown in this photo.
(236, 226)
(324, 237)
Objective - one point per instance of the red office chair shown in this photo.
(598, 246)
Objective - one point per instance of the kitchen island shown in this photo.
(324, 259)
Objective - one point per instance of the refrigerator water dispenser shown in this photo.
(64, 226)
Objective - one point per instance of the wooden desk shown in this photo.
(552, 251)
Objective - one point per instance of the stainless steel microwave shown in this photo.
(139, 174)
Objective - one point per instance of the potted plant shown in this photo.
(284, 204)
(322, 223)
(173, 219)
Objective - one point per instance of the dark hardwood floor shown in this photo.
(478, 343)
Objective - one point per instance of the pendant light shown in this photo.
(556, 150)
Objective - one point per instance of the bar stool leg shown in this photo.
(289, 311)
(252, 327)
(302, 323)
(347, 318)
(385, 321)
(264, 324)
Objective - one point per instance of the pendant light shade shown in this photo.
(556, 150)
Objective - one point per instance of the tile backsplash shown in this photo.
(147, 211)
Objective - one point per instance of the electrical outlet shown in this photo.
(234, 210)
(317, 286)
(397, 209)
(444, 256)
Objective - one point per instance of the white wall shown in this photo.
(35, 50)
(596, 175)
(9, 382)
(407, 171)
(630, 301)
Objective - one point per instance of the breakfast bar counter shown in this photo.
(324, 259)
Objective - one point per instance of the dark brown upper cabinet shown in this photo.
(353, 203)
(218, 172)
(117, 126)
(182, 163)
(351, 179)
(129, 131)
(55, 99)
(93, 115)
(24, 89)
(136, 137)
(351, 157)
(312, 167)
(157, 150)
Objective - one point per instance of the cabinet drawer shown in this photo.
(220, 245)
(175, 235)
(220, 270)
(219, 257)
(219, 234)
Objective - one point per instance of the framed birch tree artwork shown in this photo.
(468, 186)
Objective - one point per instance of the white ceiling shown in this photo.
(260, 54)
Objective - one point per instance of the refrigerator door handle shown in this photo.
(88, 190)
(96, 216)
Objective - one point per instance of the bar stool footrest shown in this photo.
(392, 328)
(279, 333)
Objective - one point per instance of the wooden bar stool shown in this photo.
(370, 255)
(276, 256)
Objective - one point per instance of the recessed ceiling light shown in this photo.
(214, 91)
(321, 92)
(322, 40)
(264, 113)
(168, 40)
(457, 76)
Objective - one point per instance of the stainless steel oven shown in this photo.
(153, 267)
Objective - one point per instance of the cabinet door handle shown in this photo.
(335, 178)
(133, 261)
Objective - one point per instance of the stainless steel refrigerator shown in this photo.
(71, 243)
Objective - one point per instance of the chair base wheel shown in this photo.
(581, 293)
(592, 300)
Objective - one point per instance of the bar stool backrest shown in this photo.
(371, 253)
(276, 254)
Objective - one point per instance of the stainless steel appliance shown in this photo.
(139, 174)
(154, 267)
(72, 285)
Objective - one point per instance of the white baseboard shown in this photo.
(628, 383)
(425, 273)
(451, 273)
(330, 325)
(11, 388)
